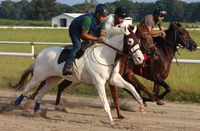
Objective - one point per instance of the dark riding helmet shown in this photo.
(101, 10)
(121, 12)
(160, 11)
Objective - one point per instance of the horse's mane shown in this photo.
(162, 42)
(141, 27)
(174, 24)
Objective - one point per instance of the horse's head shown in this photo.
(131, 46)
(181, 36)
(145, 37)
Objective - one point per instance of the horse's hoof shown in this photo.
(42, 113)
(121, 117)
(61, 109)
(159, 102)
(3, 108)
(141, 109)
(145, 104)
(7, 108)
(112, 123)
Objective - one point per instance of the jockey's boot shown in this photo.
(66, 69)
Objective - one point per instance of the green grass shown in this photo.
(183, 79)
(46, 35)
(4, 22)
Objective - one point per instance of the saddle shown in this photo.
(67, 49)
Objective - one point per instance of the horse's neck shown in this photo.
(115, 41)
(170, 45)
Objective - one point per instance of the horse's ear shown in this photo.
(179, 24)
(127, 31)
(132, 28)
(172, 25)
(135, 28)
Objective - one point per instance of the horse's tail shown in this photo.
(24, 76)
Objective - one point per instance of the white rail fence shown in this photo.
(45, 27)
(32, 53)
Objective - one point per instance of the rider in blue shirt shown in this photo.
(87, 27)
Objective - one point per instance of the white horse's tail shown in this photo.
(24, 76)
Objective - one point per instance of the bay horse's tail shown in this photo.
(24, 76)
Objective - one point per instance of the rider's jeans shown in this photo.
(75, 37)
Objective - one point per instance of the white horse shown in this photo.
(94, 67)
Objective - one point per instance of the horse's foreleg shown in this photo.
(100, 86)
(156, 88)
(135, 82)
(166, 87)
(50, 82)
(64, 84)
(115, 97)
(118, 81)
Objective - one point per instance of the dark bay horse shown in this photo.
(158, 70)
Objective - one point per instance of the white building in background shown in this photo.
(65, 19)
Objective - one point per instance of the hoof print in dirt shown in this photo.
(41, 113)
(61, 109)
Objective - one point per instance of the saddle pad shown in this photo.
(65, 52)
(63, 55)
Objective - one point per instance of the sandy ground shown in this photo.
(86, 114)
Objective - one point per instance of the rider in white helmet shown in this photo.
(116, 20)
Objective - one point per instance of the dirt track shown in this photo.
(86, 114)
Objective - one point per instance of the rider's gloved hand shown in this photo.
(100, 40)
(163, 34)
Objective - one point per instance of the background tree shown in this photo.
(46, 9)
(7, 9)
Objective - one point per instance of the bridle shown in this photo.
(131, 51)
(177, 33)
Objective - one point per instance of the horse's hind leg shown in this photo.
(28, 87)
(34, 94)
(50, 82)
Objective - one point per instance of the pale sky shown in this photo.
(72, 2)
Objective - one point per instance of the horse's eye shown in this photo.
(130, 41)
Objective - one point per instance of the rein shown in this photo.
(119, 51)
(143, 45)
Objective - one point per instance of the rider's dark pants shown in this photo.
(75, 38)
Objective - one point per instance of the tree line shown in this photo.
(46, 9)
